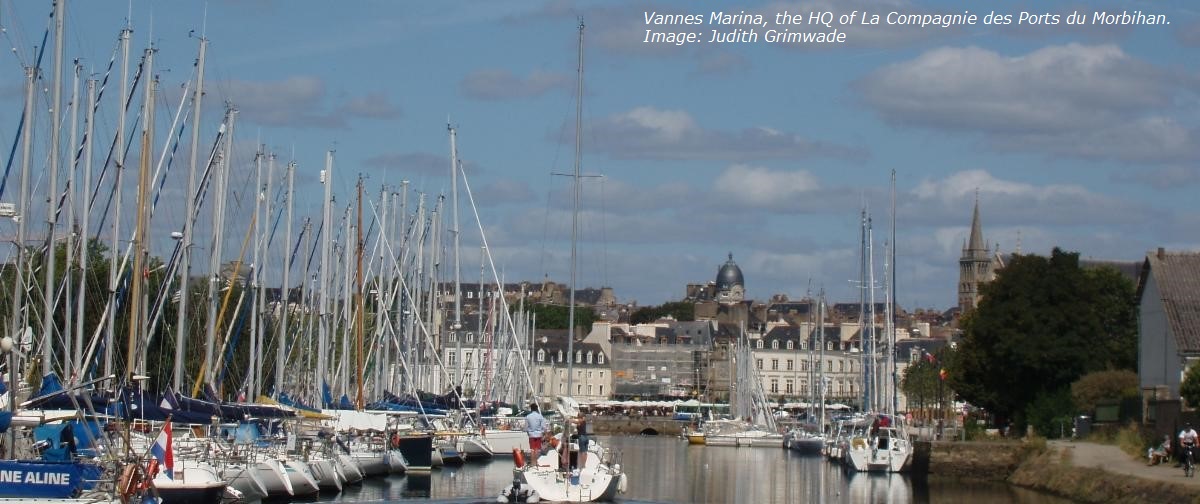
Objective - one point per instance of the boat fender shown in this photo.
(533, 497)
(518, 457)
(622, 483)
(126, 484)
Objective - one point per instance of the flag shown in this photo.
(163, 452)
(930, 358)
(943, 374)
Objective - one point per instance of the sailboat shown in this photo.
(553, 476)
(885, 446)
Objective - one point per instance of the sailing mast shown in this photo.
(48, 289)
(892, 307)
(323, 332)
(84, 233)
(454, 328)
(284, 298)
(114, 277)
(574, 232)
(185, 258)
(137, 318)
(358, 296)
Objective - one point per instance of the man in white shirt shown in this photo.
(1187, 441)
(535, 427)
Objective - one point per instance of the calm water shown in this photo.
(665, 469)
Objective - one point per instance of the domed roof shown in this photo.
(729, 275)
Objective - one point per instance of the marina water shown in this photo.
(667, 469)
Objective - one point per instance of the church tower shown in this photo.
(975, 267)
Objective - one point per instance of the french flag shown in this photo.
(163, 452)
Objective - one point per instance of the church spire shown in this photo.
(976, 241)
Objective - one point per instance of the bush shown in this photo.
(1100, 386)
(1052, 413)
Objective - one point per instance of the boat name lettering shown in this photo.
(37, 478)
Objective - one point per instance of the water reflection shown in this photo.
(663, 469)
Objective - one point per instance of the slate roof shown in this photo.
(1177, 275)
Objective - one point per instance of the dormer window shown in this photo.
(578, 356)
(600, 358)
(589, 358)
(560, 356)
(790, 345)
(829, 345)
(760, 344)
(775, 345)
(470, 337)
(541, 355)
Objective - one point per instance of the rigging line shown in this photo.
(137, 79)
(20, 125)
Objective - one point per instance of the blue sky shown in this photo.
(1080, 137)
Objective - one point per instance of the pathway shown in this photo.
(1112, 459)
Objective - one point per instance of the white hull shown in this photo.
(325, 472)
(351, 472)
(475, 447)
(245, 479)
(396, 463)
(880, 454)
(503, 442)
(302, 480)
(273, 475)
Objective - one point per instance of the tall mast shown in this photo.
(185, 258)
(574, 227)
(114, 278)
(48, 288)
(84, 233)
(137, 318)
(284, 302)
(454, 329)
(70, 359)
(323, 332)
(892, 306)
(358, 294)
(862, 311)
(220, 185)
(19, 285)
(261, 346)
(258, 223)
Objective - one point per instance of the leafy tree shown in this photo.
(1101, 385)
(1190, 388)
(555, 316)
(682, 311)
(923, 385)
(1041, 324)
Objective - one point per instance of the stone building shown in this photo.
(976, 267)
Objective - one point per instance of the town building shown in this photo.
(1168, 300)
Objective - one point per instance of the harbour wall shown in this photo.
(980, 460)
(617, 425)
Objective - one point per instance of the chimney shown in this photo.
(1162, 253)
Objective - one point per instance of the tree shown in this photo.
(1103, 385)
(555, 316)
(682, 311)
(1041, 324)
(1190, 388)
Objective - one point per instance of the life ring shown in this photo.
(518, 457)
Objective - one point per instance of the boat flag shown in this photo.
(163, 452)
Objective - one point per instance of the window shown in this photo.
(467, 358)
(589, 357)
(560, 356)
(450, 358)
(589, 375)
(470, 337)
(804, 345)
(789, 365)
(453, 337)
(775, 345)
(760, 344)
(602, 377)
(787, 389)
(818, 368)
(541, 355)
(841, 366)
(589, 389)
(774, 364)
(758, 363)
(579, 389)
(561, 387)
(600, 358)
(829, 345)
(804, 365)
(790, 345)
(774, 386)
(542, 387)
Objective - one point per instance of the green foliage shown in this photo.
(922, 385)
(1042, 323)
(556, 316)
(682, 311)
(1190, 388)
(1051, 413)
(1103, 385)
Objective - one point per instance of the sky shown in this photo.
(1082, 137)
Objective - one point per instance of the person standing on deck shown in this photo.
(535, 426)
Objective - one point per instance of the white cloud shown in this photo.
(299, 101)
(1093, 102)
(758, 186)
(653, 133)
